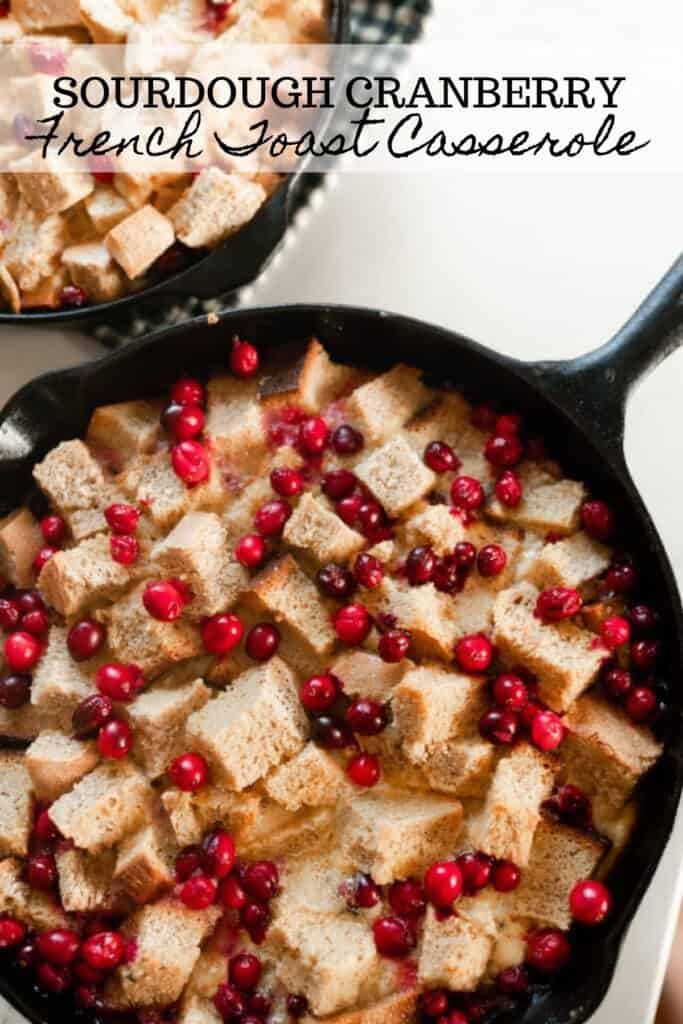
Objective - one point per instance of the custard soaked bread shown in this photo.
(333, 697)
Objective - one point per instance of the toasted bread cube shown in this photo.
(26, 723)
(60, 683)
(560, 857)
(432, 705)
(36, 909)
(79, 577)
(570, 563)
(435, 527)
(392, 1009)
(134, 188)
(314, 528)
(50, 190)
(20, 542)
(138, 241)
(313, 381)
(10, 290)
(56, 762)
(553, 507)
(446, 419)
(103, 807)
(234, 422)
(92, 269)
(279, 833)
(367, 675)
(395, 475)
(461, 767)
(85, 882)
(423, 611)
(253, 726)
(455, 951)
(151, 482)
(562, 655)
(472, 609)
(382, 406)
(70, 477)
(126, 427)
(105, 20)
(604, 753)
(216, 206)
(523, 779)
(191, 814)
(136, 638)
(293, 600)
(16, 804)
(311, 779)
(393, 834)
(34, 246)
(168, 937)
(145, 860)
(316, 883)
(46, 14)
(157, 718)
(106, 208)
(48, 294)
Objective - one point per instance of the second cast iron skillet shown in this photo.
(577, 406)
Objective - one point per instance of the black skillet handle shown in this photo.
(595, 386)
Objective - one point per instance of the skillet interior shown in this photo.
(57, 407)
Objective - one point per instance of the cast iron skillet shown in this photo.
(579, 409)
(234, 264)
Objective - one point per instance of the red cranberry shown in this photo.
(484, 416)
(22, 651)
(87, 997)
(222, 633)
(187, 424)
(499, 726)
(420, 566)
(597, 519)
(393, 936)
(448, 578)
(9, 614)
(270, 519)
(336, 582)
(509, 425)
(491, 560)
(547, 950)
(621, 578)
(122, 518)
(347, 508)
(641, 704)
(218, 853)
(513, 981)
(41, 871)
(467, 493)
(170, 415)
(339, 483)
(407, 898)
(346, 440)
(509, 489)
(198, 892)
(366, 717)
(124, 550)
(104, 950)
(441, 458)
(263, 641)
(189, 772)
(503, 450)
(319, 693)
(255, 919)
(364, 895)
(91, 714)
(368, 570)
(364, 770)
(313, 435)
(27, 955)
(394, 645)
(615, 631)
(230, 1003)
(352, 624)
(12, 932)
(443, 884)
(590, 902)
(297, 1006)
(250, 551)
(85, 639)
(617, 682)
(188, 391)
(644, 654)
(474, 653)
(29, 601)
(574, 806)
(42, 558)
(244, 359)
(506, 876)
(190, 462)
(163, 601)
(51, 978)
(15, 691)
(73, 297)
(332, 734)
(53, 529)
(244, 971)
(558, 603)
(115, 739)
(465, 555)
(231, 894)
(644, 619)
(261, 880)
(547, 731)
(188, 862)
(370, 516)
(510, 692)
(36, 623)
(434, 1003)
(260, 1005)
(286, 482)
(58, 947)
(475, 869)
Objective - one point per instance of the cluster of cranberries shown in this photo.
(53, 530)
(62, 959)
(633, 686)
(122, 521)
(516, 711)
(116, 682)
(23, 617)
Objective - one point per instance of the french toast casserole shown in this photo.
(328, 697)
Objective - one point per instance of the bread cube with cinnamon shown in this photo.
(456, 950)
(16, 804)
(432, 705)
(572, 562)
(103, 807)
(157, 717)
(395, 475)
(385, 404)
(83, 576)
(36, 909)
(56, 762)
(283, 591)
(145, 860)
(92, 268)
(138, 241)
(364, 674)
(34, 246)
(154, 646)
(315, 529)
(20, 542)
(313, 778)
(85, 880)
(70, 477)
(125, 428)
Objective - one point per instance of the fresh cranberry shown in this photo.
(509, 489)
(319, 693)
(590, 902)
(504, 450)
(597, 519)
(475, 869)
(467, 493)
(261, 880)
(53, 529)
(36, 623)
(420, 566)
(434, 1003)
(29, 601)
(187, 424)
(448, 578)
(364, 770)
(364, 895)
(73, 297)
(12, 932)
(368, 571)
(336, 582)
(198, 892)
(366, 717)
(509, 424)
(104, 950)
(42, 558)
(407, 899)
(270, 519)
(9, 614)
(510, 692)
(441, 458)
(218, 853)
(15, 691)
(189, 772)
(170, 416)
(22, 651)
(44, 829)
(188, 391)
(222, 633)
(260, 1005)
(115, 739)
(244, 971)
(347, 508)
(244, 359)
(617, 682)
(644, 620)
(41, 871)
(346, 440)
(558, 603)
(513, 981)
(286, 482)
(370, 516)
(547, 950)
(641, 704)
(394, 645)
(250, 551)
(263, 641)
(58, 947)
(443, 884)
(394, 937)
(574, 806)
(53, 979)
(332, 734)
(122, 518)
(499, 726)
(644, 654)
(91, 714)
(124, 550)
(547, 731)
(352, 624)
(474, 653)
(621, 578)
(229, 1002)
(465, 555)
(188, 862)
(231, 894)
(163, 601)
(255, 919)
(491, 560)
(190, 462)
(339, 483)
(297, 1006)
(85, 639)
(314, 435)
(484, 416)
(615, 631)
(506, 876)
